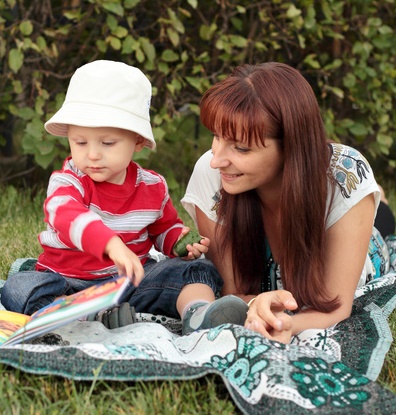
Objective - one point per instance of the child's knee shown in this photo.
(12, 296)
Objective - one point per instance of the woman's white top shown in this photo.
(352, 172)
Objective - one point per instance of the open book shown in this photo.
(17, 328)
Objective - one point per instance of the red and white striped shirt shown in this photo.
(82, 216)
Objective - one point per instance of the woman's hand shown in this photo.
(197, 249)
(126, 261)
(267, 315)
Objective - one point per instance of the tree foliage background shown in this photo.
(345, 48)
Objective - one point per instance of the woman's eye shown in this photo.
(242, 149)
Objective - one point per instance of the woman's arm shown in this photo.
(347, 244)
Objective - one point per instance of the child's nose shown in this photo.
(93, 153)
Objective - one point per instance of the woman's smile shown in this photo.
(229, 176)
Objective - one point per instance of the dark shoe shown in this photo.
(228, 309)
(115, 317)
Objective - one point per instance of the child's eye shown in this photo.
(108, 143)
(81, 143)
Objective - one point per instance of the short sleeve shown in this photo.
(354, 181)
(203, 189)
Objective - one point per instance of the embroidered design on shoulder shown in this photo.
(348, 167)
(216, 198)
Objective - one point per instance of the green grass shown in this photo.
(23, 393)
(21, 219)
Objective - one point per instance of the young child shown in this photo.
(104, 212)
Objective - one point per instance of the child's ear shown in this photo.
(140, 142)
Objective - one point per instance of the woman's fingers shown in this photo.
(267, 315)
(282, 336)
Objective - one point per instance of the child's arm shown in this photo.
(126, 261)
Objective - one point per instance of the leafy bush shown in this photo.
(346, 49)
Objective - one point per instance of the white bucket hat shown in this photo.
(106, 94)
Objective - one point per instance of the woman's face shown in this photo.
(244, 167)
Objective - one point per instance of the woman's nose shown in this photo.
(219, 151)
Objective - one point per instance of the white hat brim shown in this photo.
(93, 115)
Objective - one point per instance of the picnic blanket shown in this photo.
(331, 371)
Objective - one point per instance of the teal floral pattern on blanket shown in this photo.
(331, 371)
(331, 384)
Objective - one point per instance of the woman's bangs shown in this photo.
(248, 126)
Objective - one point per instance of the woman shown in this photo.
(289, 215)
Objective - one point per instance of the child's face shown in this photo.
(103, 153)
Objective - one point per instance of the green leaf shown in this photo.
(44, 160)
(176, 23)
(336, 91)
(384, 140)
(385, 30)
(129, 4)
(312, 61)
(171, 89)
(310, 20)
(159, 133)
(41, 42)
(15, 60)
(28, 144)
(72, 15)
(34, 128)
(169, 55)
(173, 36)
(115, 8)
(101, 45)
(195, 82)
(383, 42)
(26, 113)
(301, 41)
(207, 32)
(45, 147)
(139, 55)
(112, 22)
(11, 3)
(26, 28)
(120, 32)
(346, 123)
(17, 86)
(358, 129)
(383, 119)
(293, 12)
(148, 48)
(114, 42)
(128, 45)
(239, 41)
(335, 64)
(193, 3)
(163, 67)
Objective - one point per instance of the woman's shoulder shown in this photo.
(349, 168)
(203, 188)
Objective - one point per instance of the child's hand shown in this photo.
(126, 261)
(187, 250)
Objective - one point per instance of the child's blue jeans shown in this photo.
(28, 291)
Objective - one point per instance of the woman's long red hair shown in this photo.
(274, 100)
